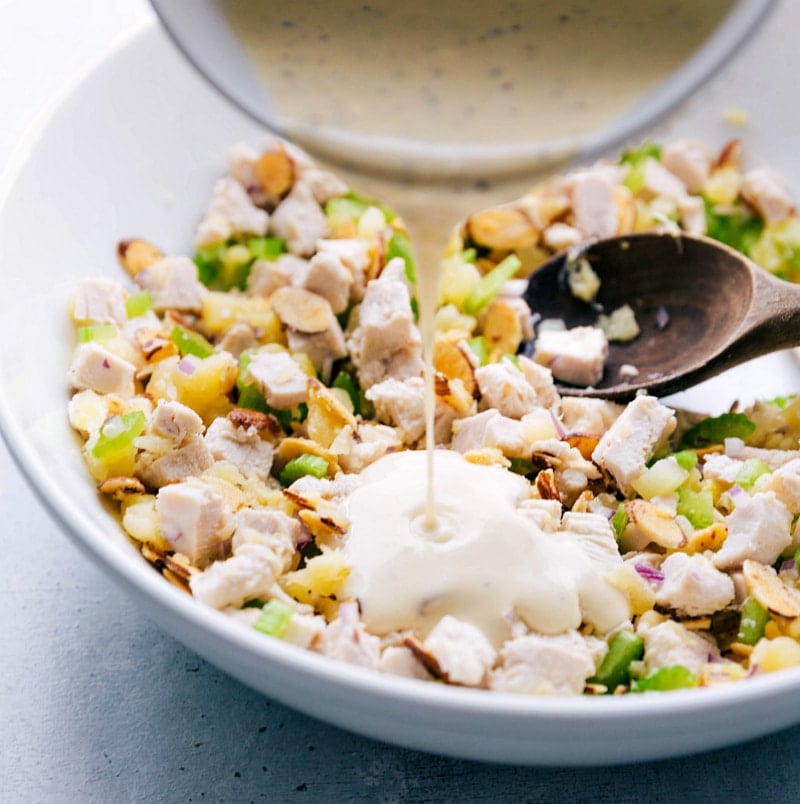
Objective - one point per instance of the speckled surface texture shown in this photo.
(98, 705)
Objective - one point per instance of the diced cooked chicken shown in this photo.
(670, 643)
(572, 472)
(266, 276)
(690, 160)
(249, 574)
(633, 439)
(545, 514)
(401, 661)
(357, 449)
(505, 388)
(176, 422)
(273, 529)
(280, 379)
(693, 215)
(540, 379)
(766, 191)
(574, 355)
(658, 182)
(386, 343)
(242, 159)
(237, 339)
(321, 348)
(721, 468)
(304, 630)
(326, 275)
(157, 469)
(544, 665)
(347, 640)
(355, 256)
(195, 520)
(561, 236)
(99, 301)
(588, 416)
(299, 221)
(469, 433)
(230, 211)
(595, 536)
(593, 207)
(174, 285)
(95, 368)
(785, 482)
(490, 429)
(241, 446)
(759, 528)
(464, 655)
(693, 586)
(321, 184)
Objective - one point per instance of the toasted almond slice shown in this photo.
(154, 345)
(275, 172)
(740, 649)
(546, 485)
(769, 590)
(327, 414)
(294, 446)
(136, 255)
(327, 530)
(502, 228)
(731, 154)
(302, 310)
(710, 538)
(502, 329)
(656, 524)
(450, 360)
(263, 422)
(121, 487)
(426, 657)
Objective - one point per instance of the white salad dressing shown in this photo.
(485, 563)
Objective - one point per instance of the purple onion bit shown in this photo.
(649, 573)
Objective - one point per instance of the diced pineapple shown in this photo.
(780, 653)
(140, 520)
(458, 279)
(723, 185)
(222, 310)
(322, 577)
(629, 582)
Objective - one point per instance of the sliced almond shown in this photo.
(731, 154)
(502, 228)
(302, 310)
(121, 487)
(710, 538)
(154, 345)
(502, 329)
(426, 657)
(655, 524)
(327, 414)
(275, 172)
(327, 530)
(546, 485)
(769, 590)
(136, 255)
(450, 360)
(263, 422)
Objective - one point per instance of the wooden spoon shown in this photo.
(701, 306)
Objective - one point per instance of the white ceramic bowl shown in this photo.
(134, 151)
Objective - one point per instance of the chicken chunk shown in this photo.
(355, 255)
(190, 459)
(266, 276)
(544, 665)
(176, 422)
(243, 447)
(588, 416)
(759, 528)
(326, 275)
(195, 520)
(505, 388)
(594, 210)
(230, 211)
(174, 285)
(690, 160)
(99, 301)
(464, 655)
(347, 640)
(766, 190)
(693, 586)
(490, 429)
(95, 368)
(576, 355)
(633, 439)
(280, 379)
(785, 482)
(299, 221)
(669, 643)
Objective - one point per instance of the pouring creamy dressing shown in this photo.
(465, 91)
(485, 563)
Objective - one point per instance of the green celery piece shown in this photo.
(208, 260)
(754, 619)
(274, 618)
(117, 434)
(620, 520)
(265, 248)
(614, 670)
(716, 429)
(520, 466)
(245, 357)
(469, 254)
(636, 159)
(301, 466)
(400, 246)
(696, 506)
(138, 303)
(751, 470)
(352, 206)
(479, 348)
(235, 267)
(687, 459)
(96, 332)
(781, 402)
(513, 359)
(738, 229)
(252, 399)
(488, 286)
(347, 382)
(674, 677)
(190, 343)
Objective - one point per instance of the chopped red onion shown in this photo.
(106, 364)
(187, 366)
(649, 573)
(734, 448)
(562, 433)
(735, 491)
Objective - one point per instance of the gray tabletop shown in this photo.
(97, 704)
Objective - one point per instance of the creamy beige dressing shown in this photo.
(486, 563)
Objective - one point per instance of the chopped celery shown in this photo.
(696, 506)
(190, 343)
(479, 348)
(400, 246)
(614, 670)
(469, 254)
(301, 466)
(716, 429)
(636, 159)
(252, 399)
(118, 433)
(352, 206)
(751, 470)
(235, 267)
(754, 619)
(138, 303)
(781, 402)
(208, 262)
(620, 520)
(265, 248)
(738, 228)
(687, 458)
(520, 466)
(488, 286)
(663, 477)
(96, 332)
(674, 677)
(347, 382)
(274, 618)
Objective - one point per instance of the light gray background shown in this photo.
(96, 704)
